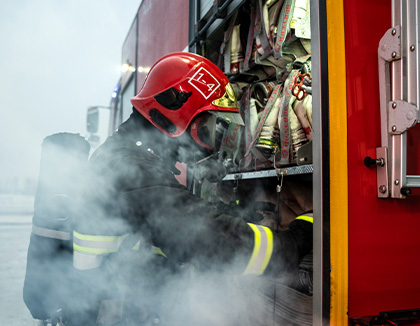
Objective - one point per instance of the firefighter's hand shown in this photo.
(268, 220)
(211, 170)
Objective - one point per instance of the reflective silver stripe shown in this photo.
(83, 261)
(50, 233)
(263, 248)
(98, 244)
(110, 312)
(89, 250)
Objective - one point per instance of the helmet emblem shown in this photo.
(204, 82)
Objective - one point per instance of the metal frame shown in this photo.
(321, 291)
(205, 25)
(398, 60)
(292, 170)
(320, 167)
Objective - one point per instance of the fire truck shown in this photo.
(363, 156)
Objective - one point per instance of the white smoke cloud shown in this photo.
(57, 58)
(197, 283)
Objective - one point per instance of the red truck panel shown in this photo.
(128, 55)
(384, 235)
(166, 25)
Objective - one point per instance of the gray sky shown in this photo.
(57, 57)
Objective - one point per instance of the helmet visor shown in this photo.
(208, 129)
(228, 100)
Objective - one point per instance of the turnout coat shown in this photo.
(142, 241)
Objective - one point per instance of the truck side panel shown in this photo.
(128, 54)
(384, 242)
(164, 25)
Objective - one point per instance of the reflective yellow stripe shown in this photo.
(136, 246)
(263, 249)
(158, 251)
(96, 244)
(98, 237)
(306, 218)
(269, 250)
(88, 250)
(94, 251)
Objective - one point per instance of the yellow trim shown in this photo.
(136, 247)
(338, 163)
(269, 250)
(99, 237)
(158, 251)
(93, 251)
(257, 247)
(309, 219)
(228, 100)
(257, 243)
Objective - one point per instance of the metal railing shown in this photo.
(398, 59)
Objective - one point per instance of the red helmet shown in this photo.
(178, 87)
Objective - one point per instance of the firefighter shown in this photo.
(134, 204)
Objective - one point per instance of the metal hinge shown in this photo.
(398, 86)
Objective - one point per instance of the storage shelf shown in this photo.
(291, 170)
(209, 17)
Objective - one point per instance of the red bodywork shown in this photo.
(166, 24)
(160, 27)
(384, 235)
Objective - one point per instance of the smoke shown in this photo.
(196, 278)
(51, 74)
(53, 69)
